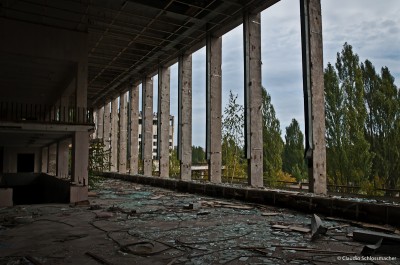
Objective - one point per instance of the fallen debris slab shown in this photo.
(381, 228)
(317, 227)
(369, 250)
(388, 244)
(372, 237)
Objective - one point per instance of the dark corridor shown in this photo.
(25, 163)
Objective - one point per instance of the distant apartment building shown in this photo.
(155, 136)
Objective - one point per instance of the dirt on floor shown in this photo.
(127, 223)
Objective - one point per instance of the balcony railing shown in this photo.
(25, 112)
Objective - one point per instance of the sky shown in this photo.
(371, 27)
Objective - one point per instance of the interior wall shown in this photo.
(10, 158)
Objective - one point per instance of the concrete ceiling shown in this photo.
(29, 139)
(127, 38)
(32, 79)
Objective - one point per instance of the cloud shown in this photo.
(370, 26)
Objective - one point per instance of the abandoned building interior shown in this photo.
(70, 71)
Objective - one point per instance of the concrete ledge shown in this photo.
(379, 213)
(6, 197)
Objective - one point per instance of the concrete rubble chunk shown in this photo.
(369, 250)
(317, 228)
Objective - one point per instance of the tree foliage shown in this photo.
(362, 123)
(382, 126)
(293, 152)
(174, 163)
(233, 139)
(198, 155)
(272, 141)
(99, 160)
(349, 153)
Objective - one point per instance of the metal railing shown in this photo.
(27, 112)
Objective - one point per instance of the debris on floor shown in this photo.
(128, 223)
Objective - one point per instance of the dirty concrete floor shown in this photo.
(128, 223)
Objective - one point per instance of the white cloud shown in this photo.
(371, 27)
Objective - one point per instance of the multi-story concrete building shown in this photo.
(155, 134)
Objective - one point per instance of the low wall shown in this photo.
(31, 188)
(379, 213)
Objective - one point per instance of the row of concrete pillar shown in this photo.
(115, 134)
(55, 158)
(113, 127)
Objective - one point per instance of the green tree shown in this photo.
(174, 164)
(198, 155)
(382, 130)
(293, 153)
(335, 134)
(349, 153)
(272, 141)
(232, 139)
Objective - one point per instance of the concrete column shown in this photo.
(134, 143)
(80, 158)
(52, 160)
(253, 98)
(185, 116)
(93, 135)
(114, 135)
(45, 161)
(64, 108)
(313, 87)
(123, 133)
(62, 158)
(163, 120)
(107, 126)
(81, 90)
(214, 108)
(100, 121)
(147, 126)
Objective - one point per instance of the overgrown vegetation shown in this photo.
(362, 124)
(362, 132)
(233, 139)
(99, 161)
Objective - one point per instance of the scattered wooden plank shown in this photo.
(280, 227)
(338, 227)
(300, 229)
(172, 261)
(381, 228)
(98, 258)
(269, 214)
(33, 260)
(224, 203)
(157, 197)
(181, 195)
(375, 227)
(239, 207)
(319, 250)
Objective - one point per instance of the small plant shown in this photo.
(99, 160)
